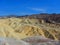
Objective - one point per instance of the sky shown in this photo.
(25, 7)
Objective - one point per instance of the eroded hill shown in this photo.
(20, 28)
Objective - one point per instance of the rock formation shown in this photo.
(20, 28)
(23, 27)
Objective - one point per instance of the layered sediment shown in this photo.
(20, 28)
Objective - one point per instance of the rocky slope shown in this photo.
(24, 27)
(17, 27)
(35, 40)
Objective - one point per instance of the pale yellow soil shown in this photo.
(20, 28)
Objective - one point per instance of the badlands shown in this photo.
(30, 30)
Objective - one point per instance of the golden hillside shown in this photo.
(20, 28)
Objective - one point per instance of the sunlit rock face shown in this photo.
(20, 28)
(28, 31)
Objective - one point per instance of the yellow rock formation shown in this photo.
(19, 28)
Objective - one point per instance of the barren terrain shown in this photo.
(23, 27)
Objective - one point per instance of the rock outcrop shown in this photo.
(20, 28)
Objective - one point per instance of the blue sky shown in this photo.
(22, 7)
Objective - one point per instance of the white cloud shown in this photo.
(38, 9)
(25, 13)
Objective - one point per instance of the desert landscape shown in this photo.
(36, 29)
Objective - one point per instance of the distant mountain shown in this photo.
(49, 18)
(52, 18)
